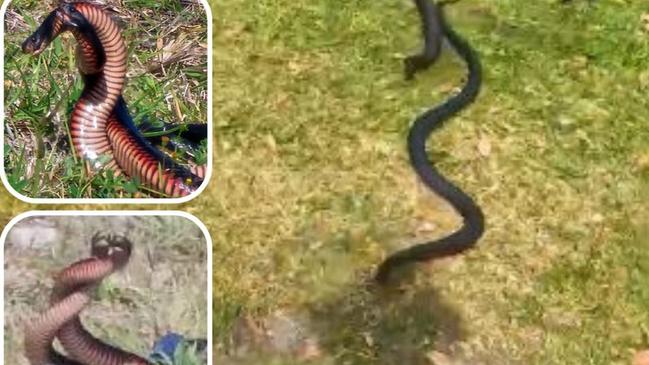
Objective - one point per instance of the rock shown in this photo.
(36, 233)
(285, 332)
(438, 358)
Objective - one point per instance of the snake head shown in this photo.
(104, 245)
(70, 15)
(65, 17)
(44, 34)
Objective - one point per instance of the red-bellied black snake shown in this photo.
(100, 124)
(435, 29)
(69, 297)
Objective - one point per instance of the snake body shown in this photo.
(100, 124)
(69, 297)
(435, 28)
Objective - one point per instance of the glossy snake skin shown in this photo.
(69, 297)
(102, 131)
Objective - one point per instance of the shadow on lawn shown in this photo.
(391, 325)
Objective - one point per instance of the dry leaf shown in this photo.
(438, 358)
(641, 358)
(644, 18)
(484, 146)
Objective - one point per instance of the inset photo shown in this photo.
(106, 289)
(106, 100)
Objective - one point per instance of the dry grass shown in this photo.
(314, 186)
(166, 82)
(162, 288)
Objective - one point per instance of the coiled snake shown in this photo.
(100, 124)
(434, 29)
(69, 297)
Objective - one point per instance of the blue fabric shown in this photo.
(166, 346)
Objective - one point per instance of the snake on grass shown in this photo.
(435, 29)
(102, 130)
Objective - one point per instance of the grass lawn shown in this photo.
(312, 186)
(166, 81)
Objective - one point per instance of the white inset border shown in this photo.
(208, 176)
(111, 213)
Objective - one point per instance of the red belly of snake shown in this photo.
(137, 162)
(106, 138)
(69, 298)
(92, 110)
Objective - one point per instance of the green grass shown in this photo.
(162, 288)
(314, 185)
(40, 92)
